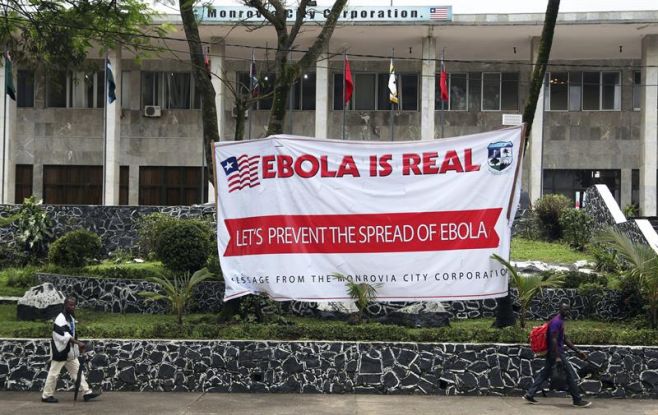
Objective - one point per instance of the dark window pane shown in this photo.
(338, 91)
(101, 90)
(56, 89)
(559, 84)
(573, 183)
(25, 89)
(307, 82)
(409, 92)
(383, 94)
(637, 85)
(610, 91)
(491, 91)
(458, 91)
(510, 91)
(178, 90)
(591, 90)
(266, 87)
(575, 90)
(150, 88)
(23, 187)
(364, 91)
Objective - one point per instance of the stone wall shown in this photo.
(327, 367)
(121, 296)
(116, 225)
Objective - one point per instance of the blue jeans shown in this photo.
(545, 374)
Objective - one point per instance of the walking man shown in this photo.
(64, 350)
(556, 341)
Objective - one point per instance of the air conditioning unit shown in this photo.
(234, 113)
(152, 111)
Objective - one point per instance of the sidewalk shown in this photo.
(162, 403)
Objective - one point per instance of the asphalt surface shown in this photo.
(161, 403)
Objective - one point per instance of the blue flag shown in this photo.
(111, 86)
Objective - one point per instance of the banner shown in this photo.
(418, 219)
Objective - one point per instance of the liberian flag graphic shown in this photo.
(439, 13)
(241, 172)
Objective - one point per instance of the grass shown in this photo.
(553, 252)
(204, 326)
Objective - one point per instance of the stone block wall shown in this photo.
(116, 225)
(327, 367)
(122, 296)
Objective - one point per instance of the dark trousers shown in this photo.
(545, 374)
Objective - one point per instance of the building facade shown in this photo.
(596, 121)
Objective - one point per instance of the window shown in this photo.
(457, 92)
(265, 87)
(123, 185)
(303, 93)
(125, 89)
(23, 187)
(25, 90)
(371, 92)
(500, 91)
(557, 93)
(73, 185)
(170, 90)
(573, 183)
(637, 89)
(601, 91)
(75, 89)
(167, 186)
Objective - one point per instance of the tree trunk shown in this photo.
(202, 81)
(240, 120)
(504, 311)
(538, 73)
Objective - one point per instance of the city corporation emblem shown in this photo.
(500, 156)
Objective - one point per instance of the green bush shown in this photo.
(75, 249)
(23, 277)
(149, 228)
(576, 228)
(575, 279)
(605, 259)
(33, 227)
(548, 210)
(183, 246)
(632, 301)
(126, 271)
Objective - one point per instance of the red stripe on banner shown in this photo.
(363, 233)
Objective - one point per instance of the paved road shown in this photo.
(25, 403)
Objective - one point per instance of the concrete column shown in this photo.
(133, 185)
(8, 134)
(322, 96)
(427, 98)
(648, 126)
(626, 187)
(217, 52)
(112, 135)
(535, 148)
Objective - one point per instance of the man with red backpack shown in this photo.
(555, 354)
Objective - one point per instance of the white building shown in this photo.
(596, 121)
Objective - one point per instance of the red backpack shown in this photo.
(539, 340)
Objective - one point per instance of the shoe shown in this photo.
(582, 403)
(91, 396)
(50, 399)
(530, 399)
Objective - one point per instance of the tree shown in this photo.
(274, 11)
(642, 263)
(504, 311)
(362, 293)
(60, 33)
(528, 287)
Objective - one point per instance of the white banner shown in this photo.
(418, 219)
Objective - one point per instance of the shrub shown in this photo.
(605, 258)
(75, 249)
(575, 279)
(183, 247)
(548, 210)
(33, 227)
(24, 277)
(576, 228)
(149, 228)
(632, 303)
(126, 271)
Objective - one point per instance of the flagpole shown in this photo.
(4, 138)
(389, 100)
(251, 87)
(105, 109)
(344, 86)
(442, 101)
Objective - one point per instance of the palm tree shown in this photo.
(362, 293)
(528, 287)
(642, 263)
(178, 290)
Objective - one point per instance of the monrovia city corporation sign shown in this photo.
(224, 14)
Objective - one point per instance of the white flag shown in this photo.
(392, 85)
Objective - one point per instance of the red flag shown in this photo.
(349, 85)
(443, 83)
